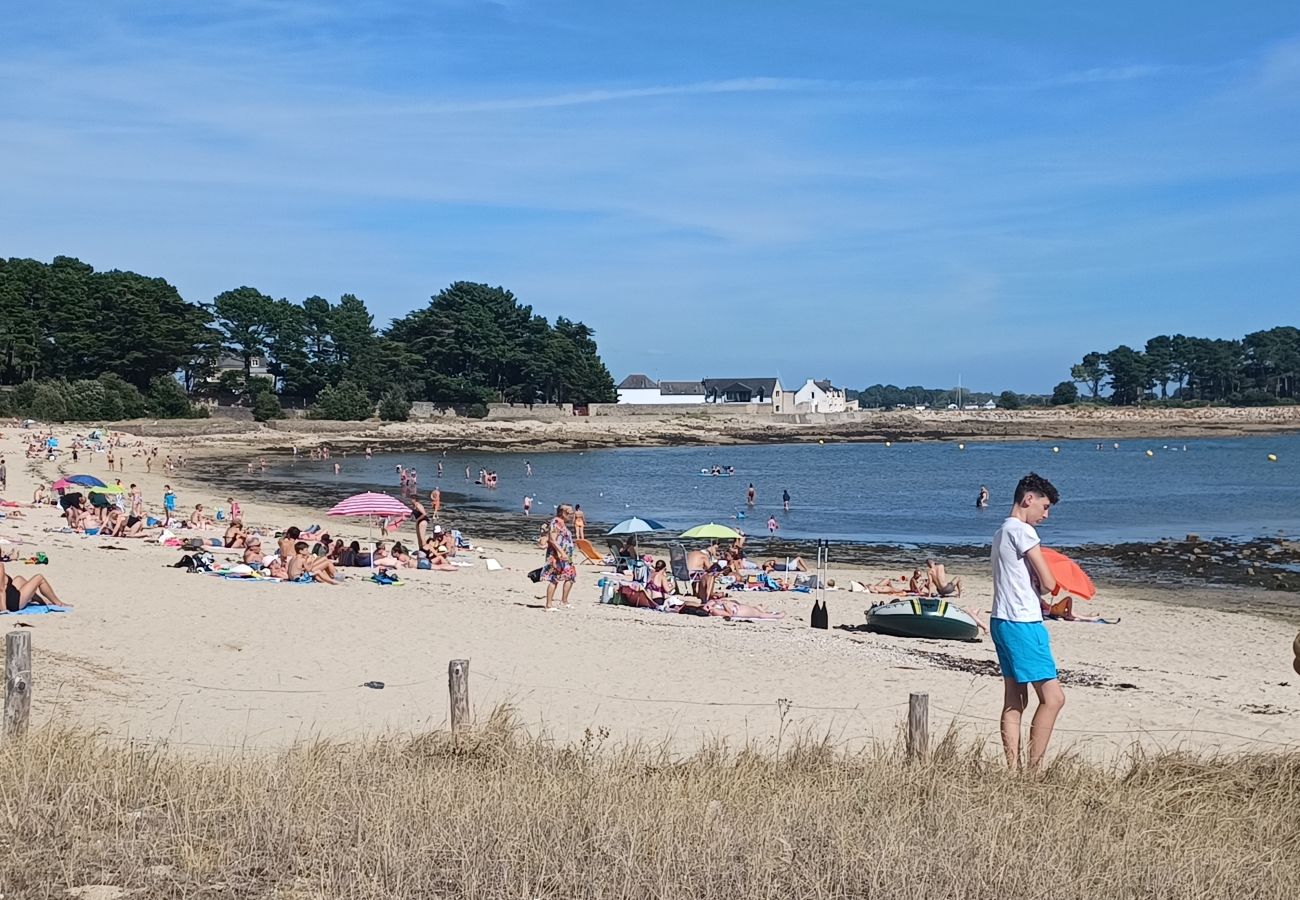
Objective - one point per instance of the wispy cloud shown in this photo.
(945, 200)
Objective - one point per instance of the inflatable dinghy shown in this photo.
(923, 617)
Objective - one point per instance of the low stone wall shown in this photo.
(324, 426)
(672, 410)
(503, 412)
(423, 409)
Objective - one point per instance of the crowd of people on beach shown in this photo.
(1025, 589)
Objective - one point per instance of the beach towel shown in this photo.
(37, 609)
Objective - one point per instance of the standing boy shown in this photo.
(1020, 574)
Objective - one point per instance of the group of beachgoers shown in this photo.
(711, 572)
(932, 582)
(314, 555)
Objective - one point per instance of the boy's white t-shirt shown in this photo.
(1014, 597)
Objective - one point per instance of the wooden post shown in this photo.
(18, 682)
(918, 725)
(458, 685)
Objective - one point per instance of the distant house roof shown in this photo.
(231, 362)
(638, 383)
(722, 385)
(682, 388)
(825, 386)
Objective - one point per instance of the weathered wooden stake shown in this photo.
(18, 682)
(458, 685)
(918, 725)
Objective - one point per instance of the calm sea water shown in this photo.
(921, 493)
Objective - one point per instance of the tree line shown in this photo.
(1261, 368)
(64, 327)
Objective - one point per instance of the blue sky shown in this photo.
(891, 191)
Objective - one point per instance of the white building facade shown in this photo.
(820, 397)
(643, 390)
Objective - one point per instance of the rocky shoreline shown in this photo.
(583, 433)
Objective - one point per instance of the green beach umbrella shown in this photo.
(711, 531)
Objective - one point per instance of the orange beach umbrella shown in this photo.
(1069, 577)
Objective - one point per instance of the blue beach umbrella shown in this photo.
(636, 525)
(86, 480)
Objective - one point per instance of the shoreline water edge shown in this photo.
(1267, 561)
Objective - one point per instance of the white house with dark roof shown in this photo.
(820, 397)
(760, 391)
(642, 389)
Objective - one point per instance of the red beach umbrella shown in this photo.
(1069, 577)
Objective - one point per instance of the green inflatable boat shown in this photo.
(923, 617)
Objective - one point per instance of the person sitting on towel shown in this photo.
(253, 551)
(19, 592)
(303, 566)
(434, 546)
(939, 581)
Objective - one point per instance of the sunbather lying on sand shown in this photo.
(896, 586)
(732, 610)
(793, 565)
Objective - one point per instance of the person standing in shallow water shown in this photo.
(750, 494)
(785, 500)
(1020, 576)
(982, 500)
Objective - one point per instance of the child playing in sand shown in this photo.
(1020, 573)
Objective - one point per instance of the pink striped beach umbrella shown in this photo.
(371, 506)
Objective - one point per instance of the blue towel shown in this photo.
(37, 609)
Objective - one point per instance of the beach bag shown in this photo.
(535, 575)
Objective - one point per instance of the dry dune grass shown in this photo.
(499, 814)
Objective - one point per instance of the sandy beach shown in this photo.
(158, 654)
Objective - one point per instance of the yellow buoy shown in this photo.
(1056, 449)
(1272, 457)
(1150, 453)
(820, 441)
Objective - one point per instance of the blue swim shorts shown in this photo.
(1024, 651)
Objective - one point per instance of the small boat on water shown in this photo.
(923, 617)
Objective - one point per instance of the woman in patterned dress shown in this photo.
(559, 567)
